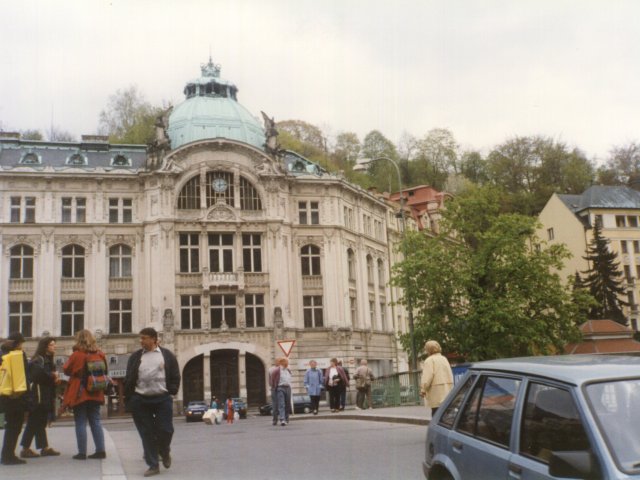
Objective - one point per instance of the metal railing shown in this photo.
(396, 390)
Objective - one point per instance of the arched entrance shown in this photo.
(224, 374)
(256, 390)
(192, 380)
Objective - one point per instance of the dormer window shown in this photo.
(30, 159)
(77, 159)
(120, 161)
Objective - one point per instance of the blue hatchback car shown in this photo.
(573, 416)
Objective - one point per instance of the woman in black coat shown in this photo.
(42, 372)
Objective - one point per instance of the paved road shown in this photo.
(252, 449)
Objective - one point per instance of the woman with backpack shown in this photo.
(42, 372)
(87, 369)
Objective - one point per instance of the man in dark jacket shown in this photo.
(153, 375)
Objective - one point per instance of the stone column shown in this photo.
(206, 373)
(242, 374)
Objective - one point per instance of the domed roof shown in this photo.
(212, 111)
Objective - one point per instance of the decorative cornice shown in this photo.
(11, 241)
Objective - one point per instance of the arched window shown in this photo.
(21, 262)
(249, 198)
(73, 261)
(310, 260)
(381, 280)
(120, 261)
(77, 159)
(370, 269)
(120, 161)
(351, 265)
(189, 198)
(30, 159)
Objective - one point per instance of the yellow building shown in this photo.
(569, 219)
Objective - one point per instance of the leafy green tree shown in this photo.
(31, 135)
(59, 135)
(623, 166)
(128, 117)
(382, 174)
(474, 167)
(604, 279)
(481, 289)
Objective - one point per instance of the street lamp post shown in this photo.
(361, 164)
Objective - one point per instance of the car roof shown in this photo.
(574, 369)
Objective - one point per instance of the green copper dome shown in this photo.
(211, 110)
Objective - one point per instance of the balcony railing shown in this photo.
(72, 284)
(312, 282)
(256, 279)
(223, 279)
(20, 285)
(189, 280)
(120, 284)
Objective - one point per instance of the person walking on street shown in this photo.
(437, 377)
(281, 383)
(334, 379)
(14, 405)
(78, 396)
(274, 390)
(42, 372)
(228, 408)
(313, 382)
(153, 376)
(345, 387)
(363, 377)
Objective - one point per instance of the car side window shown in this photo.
(550, 423)
(449, 415)
(489, 413)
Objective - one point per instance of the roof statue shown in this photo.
(161, 143)
(271, 144)
(210, 69)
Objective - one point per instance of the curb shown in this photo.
(370, 418)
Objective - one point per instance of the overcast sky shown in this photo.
(486, 70)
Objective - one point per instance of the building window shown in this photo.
(121, 161)
(636, 246)
(72, 317)
(351, 265)
(348, 218)
(120, 316)
(308, 213)
(220, 252)
(638, 271)
(77, 159)
(550, 234)
(623, 246)
(23, 209)
(620, 221)
(598, 220)
(310, 259)
(120, 210)
(20, 317)
(189, 198)
(21, 262)
(627, 273)
(249, 198)
(219, 188)
(369, 269)
(383, 317)
(353, 307)
(223, 311)
(74, 210)
(189, 253)
(251, 252)
(381, 279)
(30, 159)
(73, 261)
(632, 221)
(366, 224)
(190, 312)
(254, 310)
(120, 261)
(312, 307)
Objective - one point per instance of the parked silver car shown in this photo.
(574, 416)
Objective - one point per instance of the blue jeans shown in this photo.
(81, 413)
(284, 403)
(153, 417)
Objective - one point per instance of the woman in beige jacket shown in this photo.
(437, 377)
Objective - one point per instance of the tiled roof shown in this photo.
(604, 336)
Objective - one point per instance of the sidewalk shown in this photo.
(414, 415)
(63, 438)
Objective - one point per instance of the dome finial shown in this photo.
(210, 69)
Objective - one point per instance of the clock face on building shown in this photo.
(219, 184)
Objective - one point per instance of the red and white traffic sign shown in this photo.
(286, 346)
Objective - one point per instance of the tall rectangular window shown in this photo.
(120, 210)
(623, 246)
(312, 310)
(620, 221)
(223, 311)
(348, 218)
(252, 252)
(74, 209)
(632, 221)
(254, 310)
(72, 317)
(81, 210)
(21, 317)
(550, 234)
(636, 246)
(353, 307)
(66, 209)
(189, 253)
(627, 273)
(383, 317)
(309, 213)
(120, 316)
(220, 252)
(190, 312)
(372, 312)
(23, 209)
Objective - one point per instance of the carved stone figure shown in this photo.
(271, 143)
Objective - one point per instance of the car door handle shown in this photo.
(457, 445)
(517, 469)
